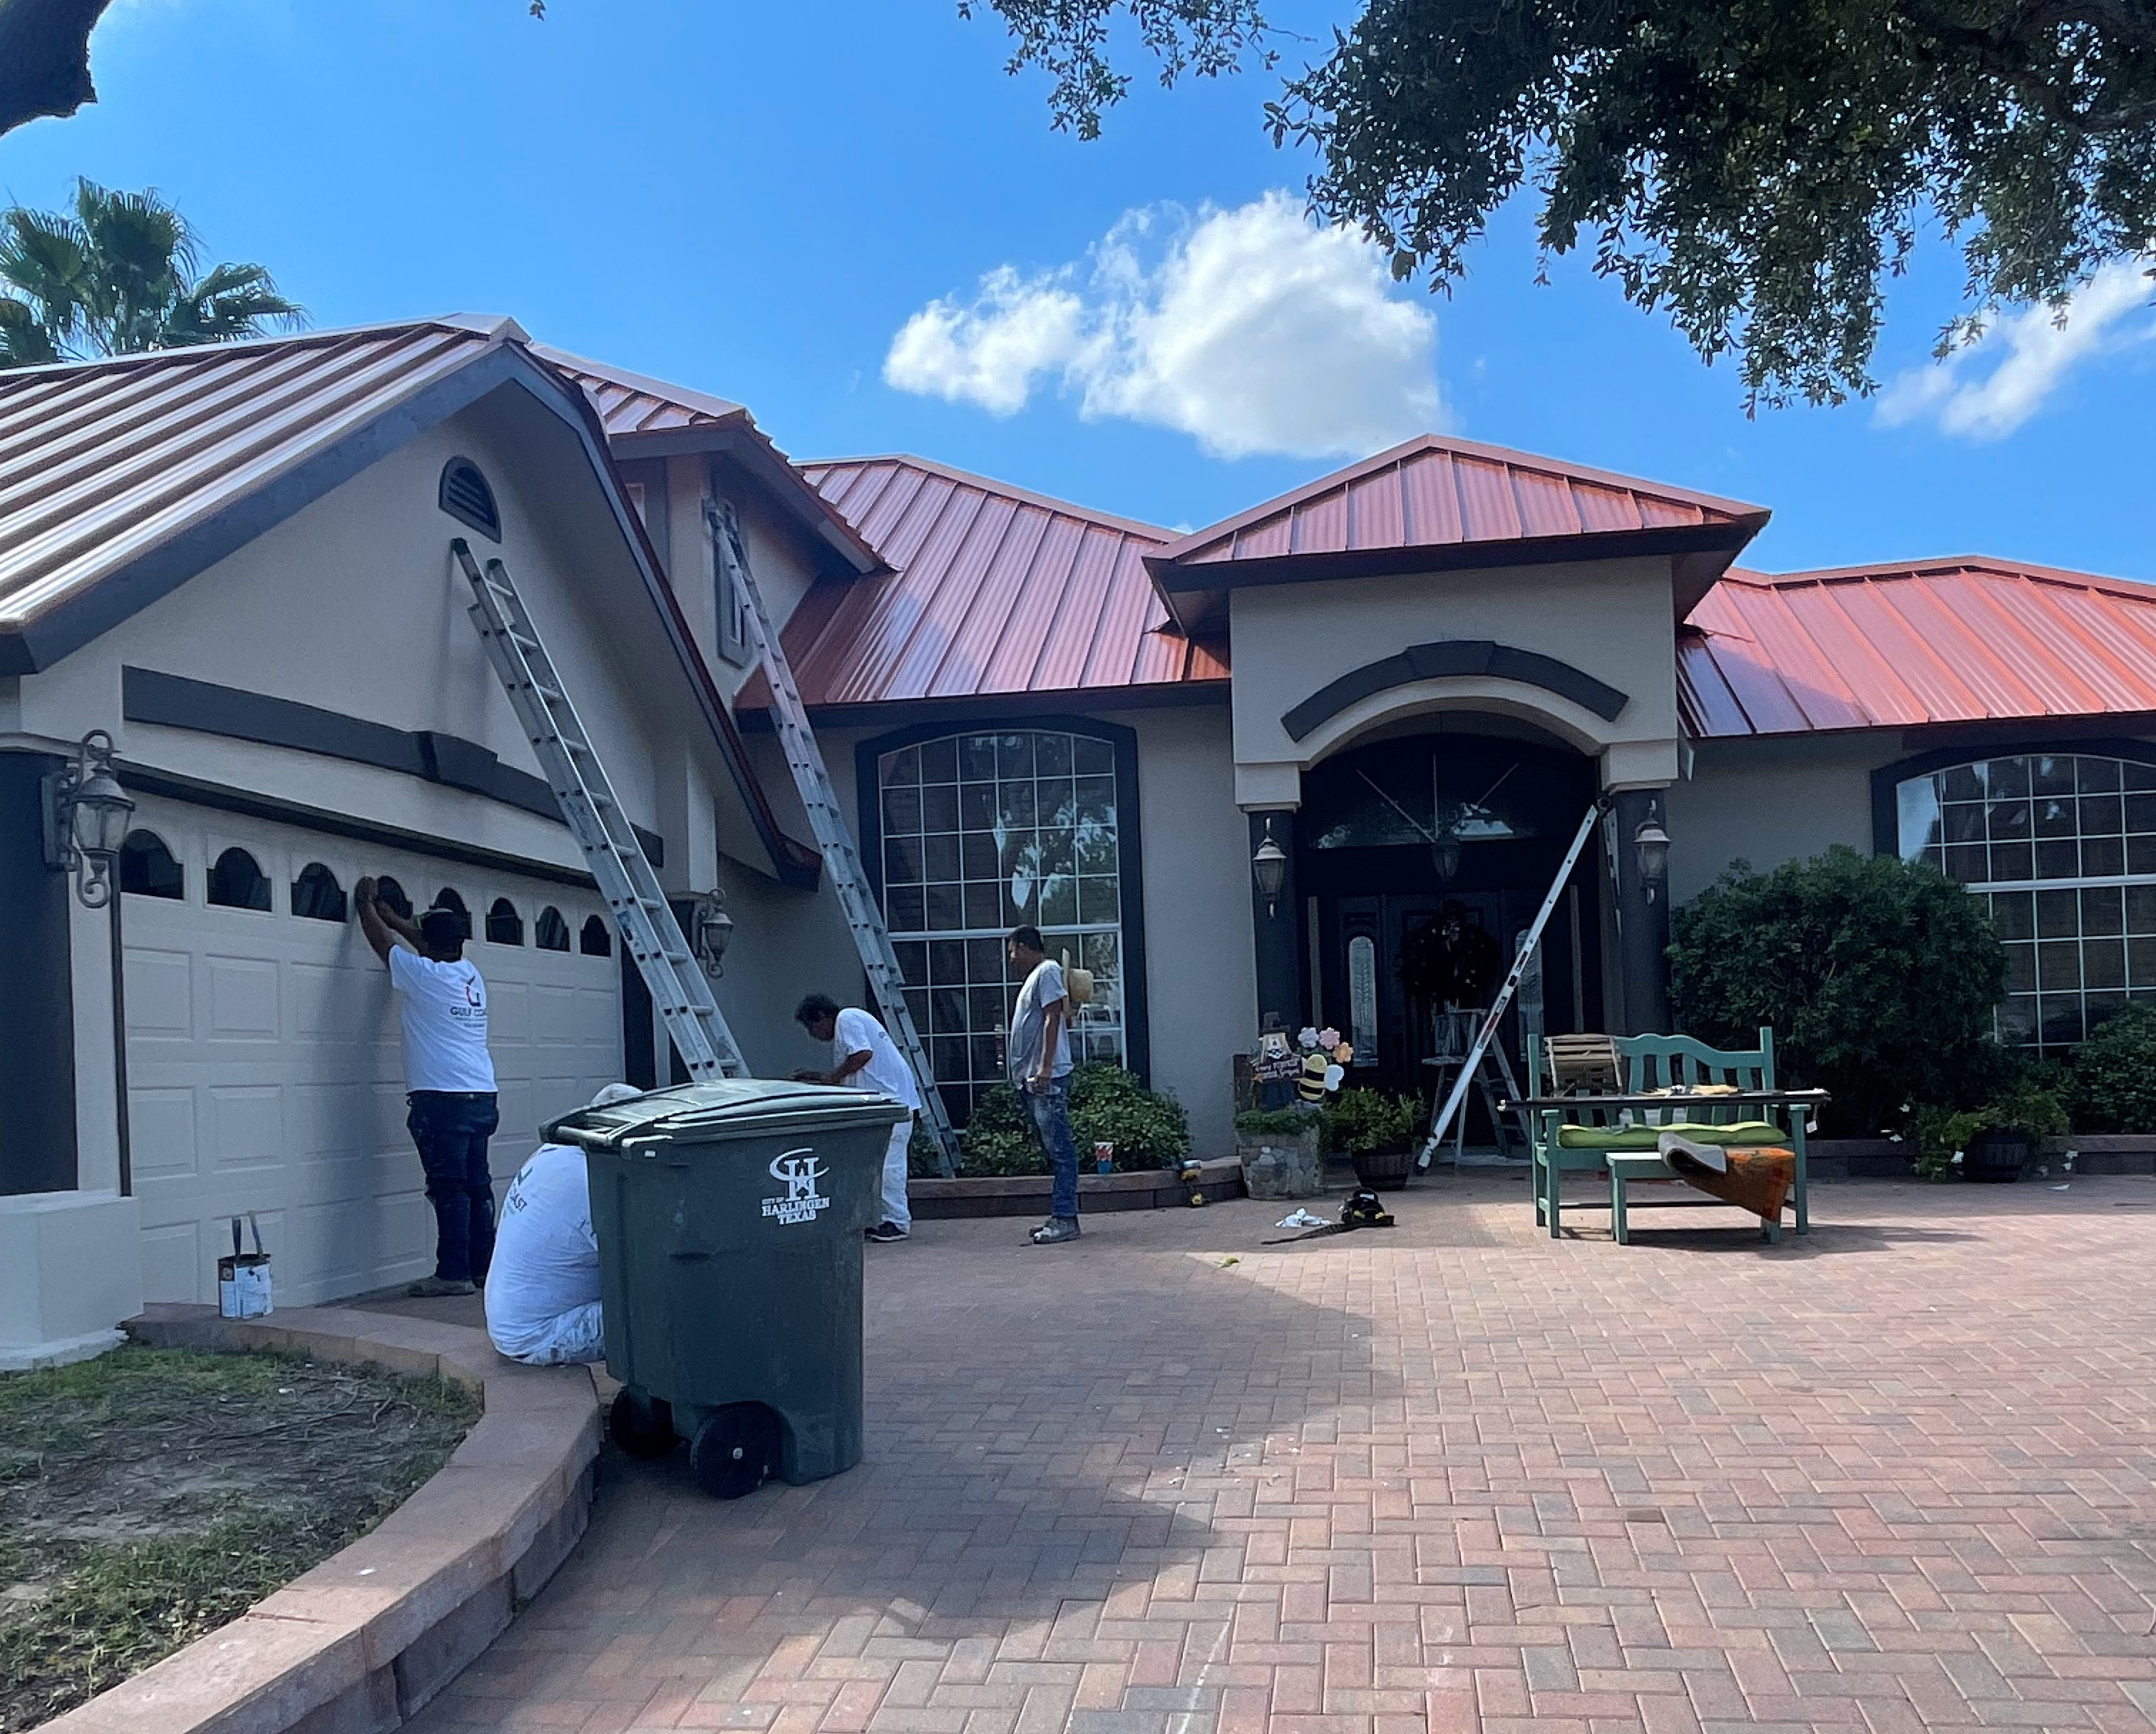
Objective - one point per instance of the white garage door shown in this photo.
(264, 1068)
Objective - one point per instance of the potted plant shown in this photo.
(1375, 1131)
(1995, 1142)
(1278, 1149)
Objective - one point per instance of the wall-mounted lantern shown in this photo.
(714, 933)
(1269, 868)
(1653, 843)
(86, 814)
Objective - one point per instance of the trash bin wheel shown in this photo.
(735, 1449)
(641, 1424)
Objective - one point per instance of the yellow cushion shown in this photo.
(1740, 1133)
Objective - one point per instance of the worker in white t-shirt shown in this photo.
(864, 1057)
(543, 1289)
(448, 1079)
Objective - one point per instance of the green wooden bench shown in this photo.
(1591, 1138)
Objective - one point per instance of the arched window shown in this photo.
(388, 891)
(2063, 847)
(237, 882)
(597, 940)
(550, 932)
(148, 869)
(448, 899)
(466, 497)
(504, 926)
(984, 833)
(316, 896)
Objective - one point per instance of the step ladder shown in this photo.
(841, 860)
(626, 880)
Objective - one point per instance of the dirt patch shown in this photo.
(150, 1496)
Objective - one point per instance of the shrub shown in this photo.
(1942, 1135)
(1148, 1130)
(1356, 1121)
(923, 1159)
(2110, 1086)
(1878, 977)
(1274, 1122)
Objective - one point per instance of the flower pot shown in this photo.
(1385, 1170)
(1281, 1165)
(1997, 1153)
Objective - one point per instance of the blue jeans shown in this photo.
(1050, 1111)
(451, 1131)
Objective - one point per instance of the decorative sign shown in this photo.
(800, 1171)
(1363, 997)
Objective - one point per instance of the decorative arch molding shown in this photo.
(1453, 659)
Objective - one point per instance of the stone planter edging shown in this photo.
(362, 1642)
(1027, 1194)
(1884, 1159)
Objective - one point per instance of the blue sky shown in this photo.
(758, 200)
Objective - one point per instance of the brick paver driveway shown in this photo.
(1449, 1476)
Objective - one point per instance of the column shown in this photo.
(1643, 919)
(1276, 935)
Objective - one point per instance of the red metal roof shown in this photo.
(1966, 640)
(633, 403)
(994, 590)
(1434, 492)
(100, 462)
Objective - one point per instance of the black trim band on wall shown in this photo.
(1013, 709)
(37, 1012)
(1130, 852)
(175, 702)
(247, 804)
(1968, 750)
(1482, 657)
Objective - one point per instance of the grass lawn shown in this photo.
(150, 1494)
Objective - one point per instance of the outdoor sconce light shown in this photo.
(1653, 843)
(715, 931)
(86, 814)
(1269, 868)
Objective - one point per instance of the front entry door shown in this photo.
(1360, 940)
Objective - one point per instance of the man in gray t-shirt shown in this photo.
(1038, 1055)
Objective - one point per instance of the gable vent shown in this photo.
(466, 496)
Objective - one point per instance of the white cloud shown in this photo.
(1248, 329)
(1988, 390)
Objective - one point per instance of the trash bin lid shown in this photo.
(730, 1108)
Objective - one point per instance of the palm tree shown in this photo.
(119, 276)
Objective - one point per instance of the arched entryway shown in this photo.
(1421, 856)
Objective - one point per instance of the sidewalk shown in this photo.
(1451, 1476)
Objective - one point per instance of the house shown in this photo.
(1413, 677)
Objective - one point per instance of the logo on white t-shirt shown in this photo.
(800, 1171)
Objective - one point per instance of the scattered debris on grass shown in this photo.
(150, 1496)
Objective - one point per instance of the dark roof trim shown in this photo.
(72, 622)
(966, 709)
(223, 798)
(1451, 657)
(174, 701)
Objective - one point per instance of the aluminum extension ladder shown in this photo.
(655, 939)
(1503, 998)
(841, 860)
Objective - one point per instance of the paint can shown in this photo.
(242, 1278)
(1104, 1157)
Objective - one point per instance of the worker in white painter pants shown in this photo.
(864, 1057)
(543, 1289)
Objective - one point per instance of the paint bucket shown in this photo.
(1104, 1157)
(242, 1279)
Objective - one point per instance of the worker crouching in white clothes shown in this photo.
(543, 1289)
(864, 1057)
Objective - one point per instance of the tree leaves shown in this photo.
(116, 275)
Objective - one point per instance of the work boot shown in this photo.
(1055, 1231)
(885, 1231)
(436, 1288)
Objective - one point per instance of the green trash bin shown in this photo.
(729, 1218)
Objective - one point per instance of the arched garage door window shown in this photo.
(983, 832)
(2062, 846)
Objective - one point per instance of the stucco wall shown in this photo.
(1610, 619)
(1769, 801)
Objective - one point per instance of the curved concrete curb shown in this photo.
(361, 1642)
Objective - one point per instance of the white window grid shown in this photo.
(2063, 848)
(983, 832)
